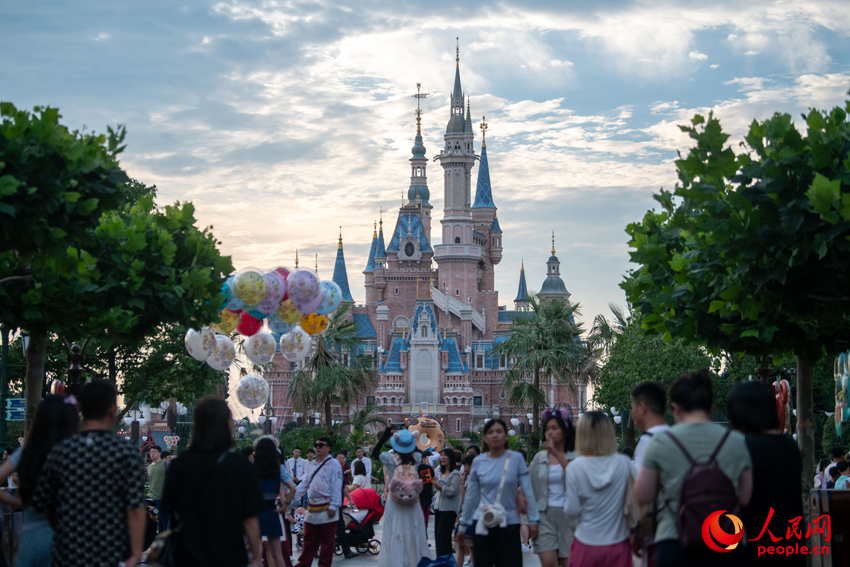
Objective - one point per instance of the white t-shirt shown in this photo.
(643, 442)
(557, 487)
(360, 481)
(367, 462)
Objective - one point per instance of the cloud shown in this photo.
(697, 56)
(715, 65)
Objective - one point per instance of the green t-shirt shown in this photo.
(700, 439)
(156, 479)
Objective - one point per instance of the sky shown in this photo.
(285, 120)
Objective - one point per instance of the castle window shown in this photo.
(457, 424)
(370, 400)
(457, 240)
(479, 361)
(457, 292)
(477, 401)
(396, 291)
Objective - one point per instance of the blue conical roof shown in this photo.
(370, 263)
(483, 194)
(522, 292)
(495, 226)
(380, 249)
(341, 276)
(468, 128)
(458, 91)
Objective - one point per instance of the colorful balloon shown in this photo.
(314, 324)
(223, 355)
(331, 298)
(284, 273)
(304, 290)
(276, 291)
(228, 322)
(260, 348)
(226, 293)
(252, 391)
(295, 345)
(256, 314)
(288, 313)
(200, 344)
(278, 326)
(248, 325)
(249, 286)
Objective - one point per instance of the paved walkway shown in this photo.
(528, 559)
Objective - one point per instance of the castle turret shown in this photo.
(553, 286)
(340, 276)
(369, 272)
(521, 301)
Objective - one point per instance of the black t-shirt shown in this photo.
(212, 500)
(777, 484)
(426, 473)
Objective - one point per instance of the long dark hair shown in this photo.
(359, 468)
(567, 428)
(211, 431)
(489, 425)
(54, 421)
(265, 459)
(452, 456)
(751, 408)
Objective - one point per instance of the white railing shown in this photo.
(451, 305)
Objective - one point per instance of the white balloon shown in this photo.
(200, 344)
(223, 355)
(617, 419)
(295, 345)
(260, 348)
(252, 391)
(512, 433)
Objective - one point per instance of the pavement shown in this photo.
(528, 559)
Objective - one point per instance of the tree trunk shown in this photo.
(328, 418)
(535, 410)
(806, 421)
(629, 437)
(113, 367)
(34, 384)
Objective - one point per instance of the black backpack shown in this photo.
(705, 490)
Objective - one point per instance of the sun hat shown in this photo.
(403, 442)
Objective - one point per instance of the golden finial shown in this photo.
(553, 243)
(374, 229)
(522, 268)
(340, 241)
(296, 257)
(317, 263)
(457, 52)
(381, 218)
(483, 127)
(418, 96)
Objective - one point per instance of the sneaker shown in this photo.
(467, 564)
(526, 549)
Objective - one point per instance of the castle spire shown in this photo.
(457, 52)
(522, 292)
(296, 257)
(370, 263)
(340, 276)
(483, 191)
(553, 242)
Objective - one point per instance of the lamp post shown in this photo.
(135, 419)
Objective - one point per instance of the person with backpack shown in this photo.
(777, 470)
(648, 402)
(597, 493)
(698, 467)
(404, 541)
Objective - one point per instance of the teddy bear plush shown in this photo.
(405, 485)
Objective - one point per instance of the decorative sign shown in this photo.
(16, 415)
(16, 403)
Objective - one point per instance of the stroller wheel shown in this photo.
(338, 550)
(374, 547)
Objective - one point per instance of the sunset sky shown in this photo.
(283, 121)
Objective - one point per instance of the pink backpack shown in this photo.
(405, 485)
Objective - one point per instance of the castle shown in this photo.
(432, 315)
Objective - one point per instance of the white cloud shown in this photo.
(697, 56)
(102, 36)
(715, 65)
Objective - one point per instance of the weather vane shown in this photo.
(457, 51)
(483, 127)
(419, 95)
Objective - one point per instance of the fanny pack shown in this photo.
(316, 508)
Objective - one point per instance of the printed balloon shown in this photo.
(226, 293)
(288, 313)
(256, 314)
(228, 322)
(252, 391)
(223, 355)
(200, 344)
(276, 291)
(295, 345)
(248, 325)
(249, 287)
(331, 298)
(260, 348)
(284, 273)
(278, 326)
(314, 324)
(304, 290)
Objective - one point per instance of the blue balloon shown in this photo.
(278, 326)
(257, 314)
(226, 294)
(331, 298)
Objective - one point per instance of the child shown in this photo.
(834, 473)
(843, 468)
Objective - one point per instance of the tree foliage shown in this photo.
(326, 379)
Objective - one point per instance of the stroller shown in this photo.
(364, 504)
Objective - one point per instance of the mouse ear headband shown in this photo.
(562, 413)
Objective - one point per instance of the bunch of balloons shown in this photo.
(293, 303)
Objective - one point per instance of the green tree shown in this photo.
(545, 346)
(747, 254)
(634, 356)
(360, 420)
(325, 378)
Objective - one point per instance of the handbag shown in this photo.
(165, 547)
(493, 515)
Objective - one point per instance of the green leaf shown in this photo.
(8, 209)
(8, 185)
(72, 196)
(750, 333)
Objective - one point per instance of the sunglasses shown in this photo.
(320, 445)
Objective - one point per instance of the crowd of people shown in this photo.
(578, 501)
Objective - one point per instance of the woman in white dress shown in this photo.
(403, 543)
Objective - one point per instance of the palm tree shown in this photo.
(362, 418)
(335, 372)
(546, 340)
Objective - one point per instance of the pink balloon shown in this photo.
(277, 291)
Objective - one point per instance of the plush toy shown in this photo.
(405, 485)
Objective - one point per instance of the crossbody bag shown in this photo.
(494, 515)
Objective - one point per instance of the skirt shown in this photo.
(403, 542)
(555, 532)
(270, 524)
(614, 555)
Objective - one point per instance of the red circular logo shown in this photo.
(712, 531)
